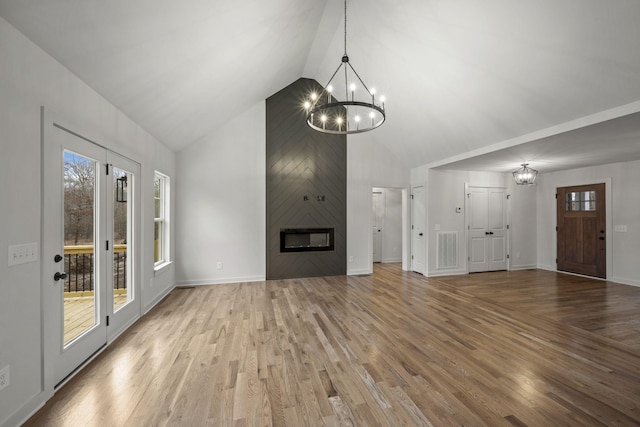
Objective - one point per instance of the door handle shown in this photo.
(488, 233)
(59, 276)
(420, 234)
(601, 237)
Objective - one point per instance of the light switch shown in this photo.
(620, 228)
(21, 254)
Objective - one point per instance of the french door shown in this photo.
(89, 247)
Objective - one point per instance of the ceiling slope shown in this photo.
(459, 76)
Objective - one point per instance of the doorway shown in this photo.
(387, 224)
(487, 229)
(581, 229)
(90, 223)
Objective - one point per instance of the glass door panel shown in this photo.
(79, 225)
(122, 218)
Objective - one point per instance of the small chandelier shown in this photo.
(525, 175)
(357, 113)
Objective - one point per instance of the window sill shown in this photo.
(158, 269)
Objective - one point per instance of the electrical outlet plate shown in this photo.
(5, 380)
(21, 254)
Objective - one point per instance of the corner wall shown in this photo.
(31, 79)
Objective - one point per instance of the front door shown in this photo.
(582, 230)
(487, 229)
(88, 247)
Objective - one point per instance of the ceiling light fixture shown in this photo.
(525, 175)
(325, 113)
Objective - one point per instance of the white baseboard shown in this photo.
(625, 281)
(359, 272)
(390, 260)
(522, 267)
(440, 273)
(219, 281)
(157, 299)
(27, 411)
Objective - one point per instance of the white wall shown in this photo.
(369, 164)
(31, 79)
(221, 203)
(623, 208)
(391, 224)
(523, 219)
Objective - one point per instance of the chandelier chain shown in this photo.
(345, 27)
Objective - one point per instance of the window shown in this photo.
(161, 220)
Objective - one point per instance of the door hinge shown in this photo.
(556, 260)
(107, 245)
(411, 256)
(412, 226)
(107, 168)
(556, 228)
(556, 195)
(507, 226)
(468, 258)
(412, 197)
(507, 256)
(107, 320)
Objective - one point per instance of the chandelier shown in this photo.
(525, 175)
(357, 113)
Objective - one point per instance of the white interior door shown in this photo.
(377, 213)
(83, 273)
(487, 229)
(417, 230)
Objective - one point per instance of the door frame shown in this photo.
(425, 246)
(406, 227)
(608, 220)
(467, 233)
(49, 337)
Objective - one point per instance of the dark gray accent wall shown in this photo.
(303, 162)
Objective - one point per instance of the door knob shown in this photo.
(420, 234)
(59, 276)
(57, 258)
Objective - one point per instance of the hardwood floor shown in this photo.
(531, 348)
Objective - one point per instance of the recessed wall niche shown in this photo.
(306, 190)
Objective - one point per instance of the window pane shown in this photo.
(157, 195)
(157, 242)
(581, 201)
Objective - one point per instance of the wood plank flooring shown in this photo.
(526, 348)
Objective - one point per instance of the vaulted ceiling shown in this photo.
(469, 84)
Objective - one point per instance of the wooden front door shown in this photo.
(582, 230)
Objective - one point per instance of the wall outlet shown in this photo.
(5, 379)
(219, 265)
(351, 258)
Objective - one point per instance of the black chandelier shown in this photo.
(357, 113)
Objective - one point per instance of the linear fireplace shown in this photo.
(306, 239)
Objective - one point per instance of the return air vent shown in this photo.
(447, 250)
